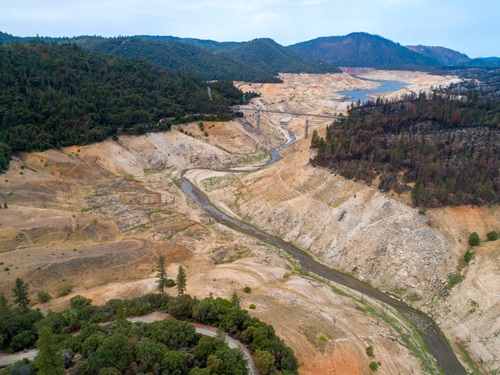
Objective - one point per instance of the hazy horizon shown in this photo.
(464, 26)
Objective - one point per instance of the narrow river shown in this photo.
(422, 323)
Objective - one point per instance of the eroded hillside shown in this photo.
(99, 216)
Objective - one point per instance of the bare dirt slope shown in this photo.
(99, 216)
(379, 238)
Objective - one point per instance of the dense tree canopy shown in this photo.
(163, 347)
(444, 148)
(61, 95)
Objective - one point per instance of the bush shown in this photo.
(247, 289)
(23, 340)
(474, 239)
(169, 283)
(43, 296)
(66, 289)
(454, 279)
(374, 365)
(252, 306)
(468, 256)
(492, 236)
(370, 352)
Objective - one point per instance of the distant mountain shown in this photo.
(445, 56)
(176, 56)
(484, 62)
(266, 54)
(363, 50)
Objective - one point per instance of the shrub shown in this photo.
(169, 283)
(492, 236)
(469, 254)
(252, 306)
(370, 352)
(66, 289)
(454, 279)
(247, 289)
(374, 365)
(474, 239)
(23, 340)
(43, 296)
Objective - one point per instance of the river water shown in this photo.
(422, 323)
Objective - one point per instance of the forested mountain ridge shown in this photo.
(445, 148)
(363, 50)
(205, 44)
(61, 95)
(177, 56)
(267, 55)
(445, 56)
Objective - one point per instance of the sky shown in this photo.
(469, 26)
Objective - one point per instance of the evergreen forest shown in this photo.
(442, 148)
(59, 95)
(88, 339)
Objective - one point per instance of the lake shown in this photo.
(361, 95)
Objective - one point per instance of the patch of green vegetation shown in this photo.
(43, 296)
(492, 236)
(247, 289)
(413, 341)
(218, 182)
(340, 292)
(252, 306)
(370, 352)
(453, 279)
(398, 291)
(323, 338)
(374, 366)
(473, 369)
(414, 297)
(66, 289)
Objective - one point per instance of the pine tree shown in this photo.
(120, 317)
(48, 361)
(235, 301)
(162, 274)
(20, 292)
(181, 281)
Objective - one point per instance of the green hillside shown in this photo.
(60, 95)
(177, 56)
(363, 50)
(266, 54)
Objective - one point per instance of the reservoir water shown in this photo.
(361, 95)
